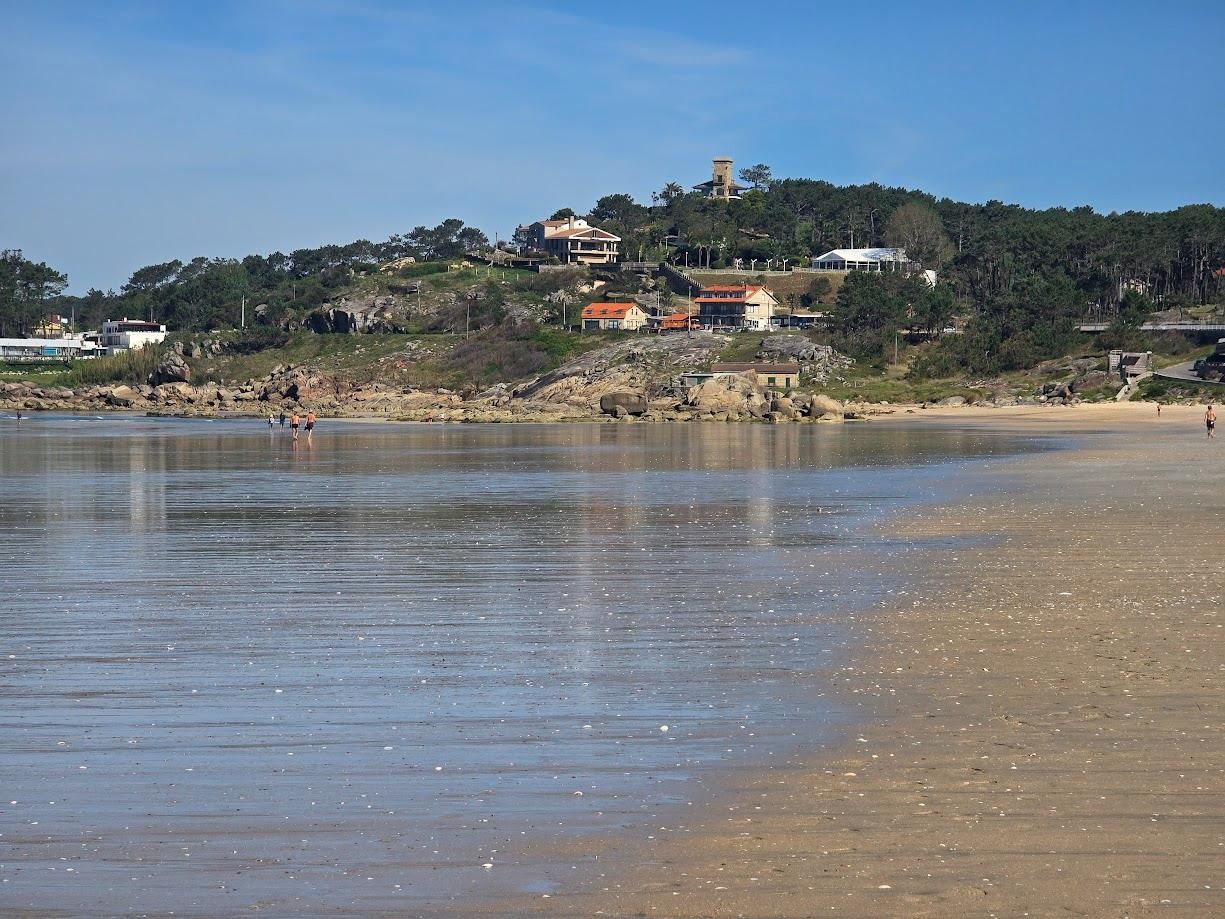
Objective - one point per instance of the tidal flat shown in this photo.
(401, 669)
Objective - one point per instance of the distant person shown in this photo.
(293, 424)
(271, 420)
(1210, 421)
(282, 419)
(310, 424)
(18, 414)
(1158, 409)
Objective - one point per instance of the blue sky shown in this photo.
(139, 132)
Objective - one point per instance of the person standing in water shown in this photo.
(282, 417)
(271, 420)
(293, 425)
(1210, 421)
(310, 424)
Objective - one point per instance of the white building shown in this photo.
(573, 241)
(30, 350)
(129, 334)
(862, 260)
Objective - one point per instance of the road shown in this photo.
(1183, 372)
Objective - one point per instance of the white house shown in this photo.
(573, 241)
(129, 334)
(862, 260)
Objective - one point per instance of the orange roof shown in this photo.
(607, 310)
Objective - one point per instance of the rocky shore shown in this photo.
(633, 380)
(640, 379)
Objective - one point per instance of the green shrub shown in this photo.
(422, 270)
(130, 367)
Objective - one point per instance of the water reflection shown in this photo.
(394, 651)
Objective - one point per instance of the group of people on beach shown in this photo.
(295, 422)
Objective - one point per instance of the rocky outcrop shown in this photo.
(172, 369)
(733, 395)
(122, 396)
(623, 403)
(648, 365)
(818, 363)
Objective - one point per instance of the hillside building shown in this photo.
(118, 335)
(721, 184)
(736, 306)
(611, 317)
(573, 241)
(862, 260)
(780, 376)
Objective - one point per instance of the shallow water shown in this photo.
(359, 674)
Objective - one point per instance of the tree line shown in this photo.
(1018, 280)
(205, 293)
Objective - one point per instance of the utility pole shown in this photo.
(242, 313)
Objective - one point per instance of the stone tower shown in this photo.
(721, 178)
(721, 184)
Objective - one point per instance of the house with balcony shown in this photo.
(118, 335)
(612, 317)
(736, 306)
(573, 241)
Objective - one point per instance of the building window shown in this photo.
(770, 381)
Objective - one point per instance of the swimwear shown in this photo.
(310, 425)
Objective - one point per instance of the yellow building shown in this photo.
(607, 317)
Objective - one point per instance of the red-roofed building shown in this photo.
(607, 317)
(736, 306)
(678, 322)
(785, 376)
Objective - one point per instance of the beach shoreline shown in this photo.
(1039, 737)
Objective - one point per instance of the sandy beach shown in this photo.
(1041, 731)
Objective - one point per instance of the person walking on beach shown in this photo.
(282, 418)
(1210, 421)
(310, 424)
(271, 420)
(293, 425)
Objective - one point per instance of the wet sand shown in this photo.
(1041, 730)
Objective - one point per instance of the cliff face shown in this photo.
(649, 365)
